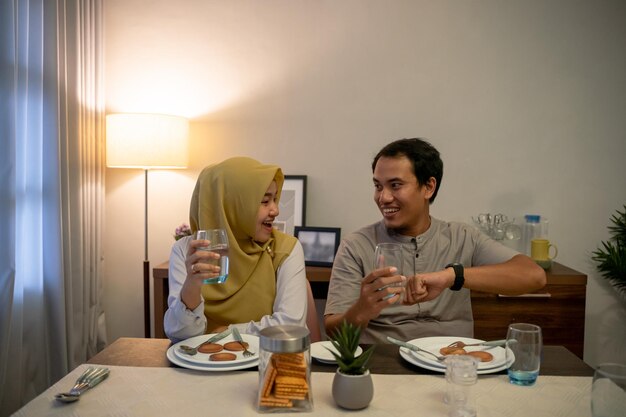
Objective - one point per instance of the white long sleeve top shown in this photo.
(290, 306)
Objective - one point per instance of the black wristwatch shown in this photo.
(459, 278)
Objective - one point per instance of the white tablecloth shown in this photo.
(153, 392)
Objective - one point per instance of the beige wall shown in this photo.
(525, 101)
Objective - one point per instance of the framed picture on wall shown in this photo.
(292, 204)
(320, 244)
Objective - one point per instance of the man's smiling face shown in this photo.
(402, 201)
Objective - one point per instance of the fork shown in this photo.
(89, 379)
(237, 336)
(414, 348)
(188, 350)
(493, 343)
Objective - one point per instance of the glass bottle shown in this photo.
(532, 230)
(284, 370)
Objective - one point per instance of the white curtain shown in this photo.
(51, 191)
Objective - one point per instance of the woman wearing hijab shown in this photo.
(266, 284)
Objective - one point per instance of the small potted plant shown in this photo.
(352, 385)
(611, 257)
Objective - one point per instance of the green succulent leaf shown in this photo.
(345, 340)
(610, 258)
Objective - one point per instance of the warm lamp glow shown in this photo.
(146, 141)
(139, 140)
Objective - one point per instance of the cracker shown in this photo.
(291, 395)
(290, 381)
(452, 351)
(289, 358)
(235, 346)
(272, 401)
(299, 373)
(482, 355)
(292, 364)
(285, 380)
(294, 388)
(222, 357)
(210, 348)
(270, 377)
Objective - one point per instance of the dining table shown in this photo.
(144, 382)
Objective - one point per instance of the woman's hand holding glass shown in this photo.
(207, 258)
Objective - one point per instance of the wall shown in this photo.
(525, 101)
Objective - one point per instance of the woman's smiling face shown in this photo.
(268, 211)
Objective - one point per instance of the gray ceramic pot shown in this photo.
(353, 392)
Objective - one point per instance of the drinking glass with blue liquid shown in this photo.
(524, 345)
(218, 243)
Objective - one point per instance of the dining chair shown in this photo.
(312, 321)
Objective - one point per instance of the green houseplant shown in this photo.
(611, 257)
(345, 340)
(352, 385)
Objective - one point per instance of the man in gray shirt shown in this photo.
(442, 261)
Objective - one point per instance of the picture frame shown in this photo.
(292, 204)
(320, 244)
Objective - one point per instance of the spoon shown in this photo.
(189, 350)
(89, 379)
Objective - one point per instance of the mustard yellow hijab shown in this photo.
(228, 196)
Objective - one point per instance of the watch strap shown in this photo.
(459, 277)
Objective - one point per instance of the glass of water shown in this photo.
(386, 255)
(524, 345)
(218, 243)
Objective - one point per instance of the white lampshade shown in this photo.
(146, 141)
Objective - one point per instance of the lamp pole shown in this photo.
(146, 265)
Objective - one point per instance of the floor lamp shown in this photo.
(146, 141)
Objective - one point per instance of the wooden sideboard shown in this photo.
(559, 308)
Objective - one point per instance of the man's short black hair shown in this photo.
(423, 156)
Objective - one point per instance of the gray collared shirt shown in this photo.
(450, 314)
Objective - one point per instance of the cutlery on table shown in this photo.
(414, 348)
(237, 337)
(492, 343)
(188, 350)
(89, 379)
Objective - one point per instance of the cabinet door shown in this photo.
(558, 309)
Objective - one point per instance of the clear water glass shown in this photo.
(608, 392)
(461, 376)
(386, 255)
(218, 242)
(524, 346)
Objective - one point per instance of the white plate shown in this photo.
(203, 358)
(433, 344)
(411, 357)
(320, 353)
(210, 366)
